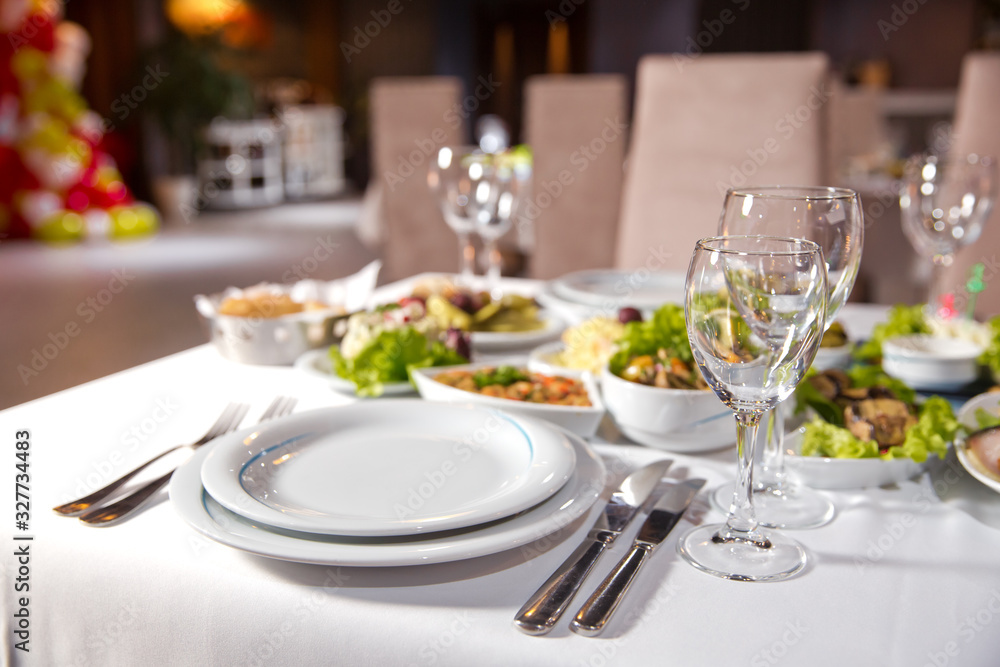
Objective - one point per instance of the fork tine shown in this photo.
(238, 416)
(279, 407)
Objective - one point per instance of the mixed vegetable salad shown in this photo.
(656, 352)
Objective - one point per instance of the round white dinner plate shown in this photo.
(990, 402)
(205, 515)
(638, 289)
(319, 364)
(386, 468)
(491, 341)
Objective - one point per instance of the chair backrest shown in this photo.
(976, 129)
(411, 118)
(705, 124)
(576, 127)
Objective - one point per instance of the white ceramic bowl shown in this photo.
(930, 362)
(833, 357)
(543, 360)
(580, 420)
(821, 472)
(990, 402)
(674, 420)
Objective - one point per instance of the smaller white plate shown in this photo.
(821, 472)
(967, 416)
(397, 467)
(319, 364)
(603, 288)
(491, 341)
(833, 357)
(202, 513)
(542, 360)
(579, 419)
(931, 363)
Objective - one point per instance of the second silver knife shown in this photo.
(540, 613)
(595, 614)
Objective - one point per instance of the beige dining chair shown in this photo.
(411, 118)
(976, 129)
(708, 123)
(577, 129)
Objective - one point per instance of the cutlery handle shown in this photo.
(81, 505)
(597, 611)
(115, 512)
(540, 613)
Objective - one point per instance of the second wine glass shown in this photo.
(754, 308)
(832, 218)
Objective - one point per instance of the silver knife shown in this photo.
(593, 616)
(540, 613)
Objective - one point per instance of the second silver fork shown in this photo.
(122, 509)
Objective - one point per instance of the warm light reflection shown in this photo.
(202, 16)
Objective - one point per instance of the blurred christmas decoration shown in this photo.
(58, 183)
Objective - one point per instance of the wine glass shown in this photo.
(755, 308)
(832, 218)
(944, 205)
(448, 177)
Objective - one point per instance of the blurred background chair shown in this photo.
(411, 118)
(977, 130)
(576, 127)
(707, 123)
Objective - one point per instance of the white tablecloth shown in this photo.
(902, 576)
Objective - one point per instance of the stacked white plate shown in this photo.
(583, 294)
(395, 482)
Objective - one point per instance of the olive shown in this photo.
(463, 301)
(628, 314)
(458, 340)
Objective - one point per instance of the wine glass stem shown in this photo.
(741, 513)
(772, 474)
(493, 272)
(466, 257)
(936, 289)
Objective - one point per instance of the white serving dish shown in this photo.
(990, 402)
(543, 360)
(282, 340)
(674, 420)
(318, 363)
(833, 357)
(388, 468)
(821, 472)
(578, 419)
(931, 363)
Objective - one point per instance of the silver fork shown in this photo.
(227, 421)
(122, 509)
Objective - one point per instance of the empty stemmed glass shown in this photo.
(944, 205)
(832, 218)
(448, 177)
(755, 309)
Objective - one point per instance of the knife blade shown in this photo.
(667, 511)
(540, 613)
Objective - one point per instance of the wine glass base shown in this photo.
(794, 508)
(762, 555)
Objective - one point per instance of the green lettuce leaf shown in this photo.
(664, 330)
(903, 320)
(991, 357)
(388, 358)
(822, 438)
(985, 419)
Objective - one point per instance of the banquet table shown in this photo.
(904, 575)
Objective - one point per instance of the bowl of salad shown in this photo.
(655, 392)
(381, 347)
(864, 429)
